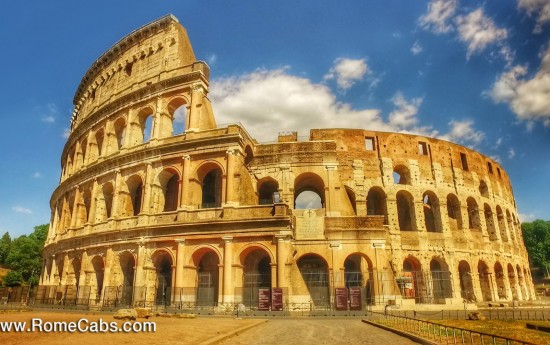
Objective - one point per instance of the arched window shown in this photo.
(309, 192)
(212, 189)
(453, 212)
(405, 211)
(120, 132)
(401, 175)
(168, 188)
(473, 214)
(108, 200)
(268, 191)
(502, 224)
(99, 136)
(146, 123)
(376, 202)
(483, 189)
(432, 215)
(177, 108)
(135, 192)
(489, 222)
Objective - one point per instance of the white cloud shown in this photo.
(49, 115)
(498, 143)
(463, 132)
(66, 133)
(48, 119)
(496, 158)
(438, 16)
(404, 116)
(524, 217)
(21, 209)
(529, 99)
(211, 59)
(347, 72)
(539, 8)
(37, 175)
(511, 153)
(478, 31)
(416, 48)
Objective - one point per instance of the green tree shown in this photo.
(25, 254)
(13, 278)
(536, 236)
(5, 245)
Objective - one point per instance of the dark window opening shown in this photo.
(464, 161)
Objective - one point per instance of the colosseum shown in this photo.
(159, 205)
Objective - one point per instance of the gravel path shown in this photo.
(316, 331)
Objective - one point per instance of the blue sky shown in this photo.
(473, 72)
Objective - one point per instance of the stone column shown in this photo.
(147, 189)
(53, 271)
(231, 197)
(83, 268)
(63, 278)
(180, 255)
(185, 192)
(138, 281)
(93, 202)
(74, 214)
(106, 272)
(115, 207)
(227, 261)
(281, 255)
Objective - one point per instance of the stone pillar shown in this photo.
(227, 261)
(106, 272)
(63, 277)
(281, 255)
(231, 198)
(74, 214)
(93, 202)
(180, 255)
(115, 207)
(83, 268)
(185, 192)
(139, 272)
(147, 190)
(53, 271)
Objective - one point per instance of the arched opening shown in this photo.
(177, 108)
(309, 192)
(167, 189)
(257, 275)
(510, 226)
(120, 132)
(74, 273)
(432, 215)
(351, 197)
(99, 138)
(207, 279)
(134, 198)
(502, 225)
(441, 281)
(489, 221)
(127, 267)
(97, 278)
(376, 202)
(314, 271)
(146, 124)
(163, 284)
(248, 155)
(412, 284)
(83, 150)
(401, 175)
(358, 273)
(212, 189)
(453, 212)
(483, 189)
(499, 274)
(466, 284)
(405, 211)
(485, 281)
(87, 199)
(268, 191)
(108, 193)
(513, 282)
(473, 214)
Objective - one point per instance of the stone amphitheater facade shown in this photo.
(159, 204)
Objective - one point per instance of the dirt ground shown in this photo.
(168, 330)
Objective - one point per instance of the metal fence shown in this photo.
(439, 333)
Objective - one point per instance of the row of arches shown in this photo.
(127, 131)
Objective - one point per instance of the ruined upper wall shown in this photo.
(155, 52)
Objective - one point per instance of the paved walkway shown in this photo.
(317, 332)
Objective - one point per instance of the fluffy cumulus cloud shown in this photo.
(463, 132)
(526, 217)
(347, 72)
(529, 98)
(272, 101)
(439, 15)
(50, 113)
(404, 115)
(21, 209)
(416, 48)
(537, 8)
(478, 31)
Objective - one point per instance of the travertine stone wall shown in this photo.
(153, 195)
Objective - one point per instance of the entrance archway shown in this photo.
(441, 281)
(485, 281)
(99, 268)
(466, 284)
(412, 285)
(127, 267)
(314, 271)
(207, 279)
(163, 267)
(499, 274)
(358, 273)
(257, 275)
